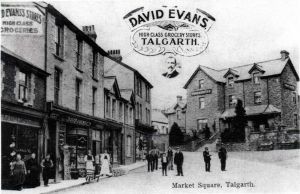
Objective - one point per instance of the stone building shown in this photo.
(23, 114)
(130, 78)
(160, 124)
(177, 114)
(267, 89)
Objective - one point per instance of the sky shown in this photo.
(245, 31)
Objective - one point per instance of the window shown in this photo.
(139, 87)
(201, 83)
(231, 100)
(295, 120)
(94, 101)
(95, 65)
(147, 93)
(137, 110)
(126, 113)
(141, 112)
(59, 40)
(230, 81)
(120, 111)
(108, 106)
(79, 54)
(114, 107)
(23, 86)
(256, 78)
(57, 74)
(201, 103)
(77, 94)
(294, 97)
(178, 114)
(130, 115)
(201, 123)
(257, 97)
(128, 146)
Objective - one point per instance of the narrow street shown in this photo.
(238, 170)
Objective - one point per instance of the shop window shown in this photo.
(57, 80)
(77, 94)
(23, 86)
(95, 65)
(230, 81)
(201, 84)
(257, 97)
(129, 143)
(94, 101)
(201, 123)
(256, 79)
(59, 39)
(201, 103)
(79, 54)
(295, 120)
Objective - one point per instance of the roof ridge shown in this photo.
(208, 67)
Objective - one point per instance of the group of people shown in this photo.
(167, 160)
(28, 174)
(222, 156)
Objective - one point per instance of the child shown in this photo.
(164, 164)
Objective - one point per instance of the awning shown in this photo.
(253, 110)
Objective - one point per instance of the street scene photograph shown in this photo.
(150, 96)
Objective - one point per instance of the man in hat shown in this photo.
(207, 159)
(223, 156)
(178, 160)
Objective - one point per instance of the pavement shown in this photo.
(69, 184)
(241, 176)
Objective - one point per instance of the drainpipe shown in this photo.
(244, 94)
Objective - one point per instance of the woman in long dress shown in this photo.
(33, 172)
(105, 162)
(18, 173)
(89, 165)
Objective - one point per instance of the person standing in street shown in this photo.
(164, 164)
(18, 172)
(170, 159)
(46, 164)
(207, 159)
(149, 161)
(89, 165)
(105, 164)
(33, 172)
(178, 160)
(97, 164)
(156, 156)
(152, 161)
(223, 157)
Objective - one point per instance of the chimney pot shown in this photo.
(179, 98)
(116, 54)
(284, 54)
(90, 31)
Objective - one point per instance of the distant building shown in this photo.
(268, 90)
(160, 124)
(177, 114)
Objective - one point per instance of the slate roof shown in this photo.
(158, 116)
(269, 68)
(126, 94)
(181, 104)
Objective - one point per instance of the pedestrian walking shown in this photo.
(105, 164)
(46, 164)
(89, 165)
(33, 172)
(164, 164)
(223, 157)
(149, 158)
(178, 160)
(97, 164)
(207, 159)
(156, 156)
(18, 173)
(170, 159)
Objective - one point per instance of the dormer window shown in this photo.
(256, 79)
(230, 81)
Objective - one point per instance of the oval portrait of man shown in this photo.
(172, 68)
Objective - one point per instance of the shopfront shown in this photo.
(143, 140)
(113, 141)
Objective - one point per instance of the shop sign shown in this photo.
(19, 120)
(169, 30)
(21, 20)
(289, 86)
(201, 92)
(76, 121)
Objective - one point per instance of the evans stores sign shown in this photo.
(169, 30)
(21, 20)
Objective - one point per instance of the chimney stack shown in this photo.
(179, 99)
(284, 55)
(90, 31)
(115, 54)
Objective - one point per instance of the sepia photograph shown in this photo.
(150, 96)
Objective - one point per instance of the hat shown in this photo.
(284, 51)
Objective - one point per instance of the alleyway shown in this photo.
(265, 177)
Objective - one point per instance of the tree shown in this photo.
(176, 136)
(239, 122)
